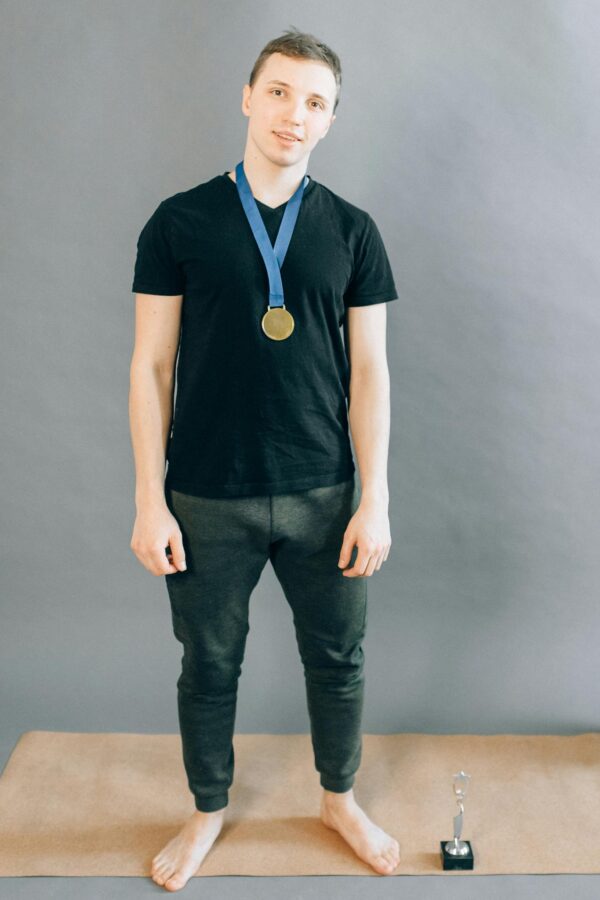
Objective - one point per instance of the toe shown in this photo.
(163, 872)
(175, 883)
(382, 864)
(392, 859)
(393, 849)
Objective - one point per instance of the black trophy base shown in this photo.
(449, 861)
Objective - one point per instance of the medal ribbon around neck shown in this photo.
(277, 323)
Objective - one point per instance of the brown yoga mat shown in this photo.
(105, 804)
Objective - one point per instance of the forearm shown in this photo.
(150, 416)
(369, 420)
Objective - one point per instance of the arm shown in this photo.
(369, 419)
(152, 377)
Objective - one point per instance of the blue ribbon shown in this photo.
(273, 257)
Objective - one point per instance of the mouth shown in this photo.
(289, 139)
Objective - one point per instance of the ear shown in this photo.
(328, 127)
(246, 94)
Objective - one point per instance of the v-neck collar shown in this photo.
(265, 205)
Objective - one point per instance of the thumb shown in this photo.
(346, 551)
(177, 551)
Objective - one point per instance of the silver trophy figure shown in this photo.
(457, 854)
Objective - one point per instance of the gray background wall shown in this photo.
(469, 130)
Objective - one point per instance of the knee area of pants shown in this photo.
(346, 658)
(348, 674)
(209, 676)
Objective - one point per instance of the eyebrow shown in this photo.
(314, 94)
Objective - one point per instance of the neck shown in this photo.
(269, 182)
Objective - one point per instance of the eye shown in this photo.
(280, 91)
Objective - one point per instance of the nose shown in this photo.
(295, 114)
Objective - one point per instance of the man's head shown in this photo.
(294, 87)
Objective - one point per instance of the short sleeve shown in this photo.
(372, 280)
(156, 270)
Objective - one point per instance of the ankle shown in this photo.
(335, 798)
(210, 816)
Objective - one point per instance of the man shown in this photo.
(260, 464)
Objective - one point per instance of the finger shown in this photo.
(384, 556)
(360, 564)
(177, 551)
(151, 560)
(172, 568)
(346, 551)
(160, 563)
(157, 565)
(372, 564)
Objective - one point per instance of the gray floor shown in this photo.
(408, 887)
(485, 887)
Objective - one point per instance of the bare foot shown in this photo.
(181, 857)
(342, 813)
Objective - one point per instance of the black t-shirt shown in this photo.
(254, 416)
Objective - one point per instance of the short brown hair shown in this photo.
(294, 42)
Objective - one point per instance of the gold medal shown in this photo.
(277, 323)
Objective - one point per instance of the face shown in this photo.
(301, 103)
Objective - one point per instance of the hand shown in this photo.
(155, 528)
(369, 528)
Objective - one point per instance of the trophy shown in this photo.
(457, 854)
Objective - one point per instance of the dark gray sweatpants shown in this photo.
(227, 543)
